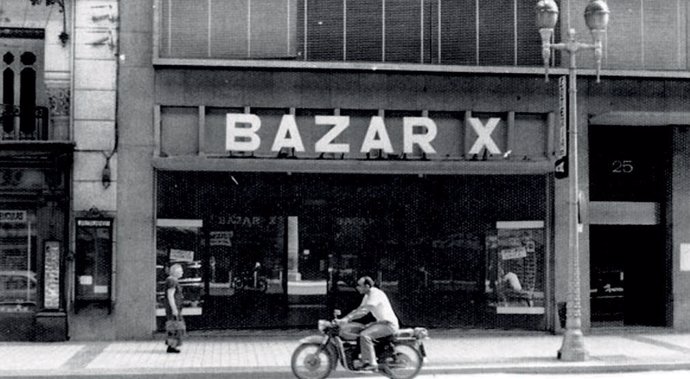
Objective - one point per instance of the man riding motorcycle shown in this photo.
(375, 302)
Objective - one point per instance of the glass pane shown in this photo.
(364, 31)
(18, 281)
(496, 39)
(272, 25)
(246, 271)
(528, 37)
(516, 268)
(188, 29)
(422, 239)
(458, 32)
(178, 242)
(229, 29)
(403, 31)
(324, 30)
(624, 36)
(92, 259)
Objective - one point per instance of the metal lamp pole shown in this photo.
(596, 17)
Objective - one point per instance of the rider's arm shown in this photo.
(359, 312)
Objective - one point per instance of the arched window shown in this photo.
(27, 101)
(8, 100)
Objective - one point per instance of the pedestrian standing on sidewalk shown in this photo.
(173, 309)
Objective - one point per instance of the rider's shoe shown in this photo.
(366, 366)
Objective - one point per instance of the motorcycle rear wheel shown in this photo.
(310, 362)
(405, 363)
(262, 285)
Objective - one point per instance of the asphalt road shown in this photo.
(210, 374)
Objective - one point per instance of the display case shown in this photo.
(93, 262)
(516, 267)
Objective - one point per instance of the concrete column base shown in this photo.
(573, 348)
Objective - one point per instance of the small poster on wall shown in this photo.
(51, 275)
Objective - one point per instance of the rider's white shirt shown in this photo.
(378, 304)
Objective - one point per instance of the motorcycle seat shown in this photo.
(405, 333)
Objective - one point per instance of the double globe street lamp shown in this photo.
(597, 18)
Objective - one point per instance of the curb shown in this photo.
(284, 372)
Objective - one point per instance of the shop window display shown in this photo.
(18, 280)
(281, 250)
(516, 266)
(178, 241)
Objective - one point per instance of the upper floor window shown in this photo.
(411, 31)
(21, 115)
(228, 29)
(642, 35)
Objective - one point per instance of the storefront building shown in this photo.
(35, 166)
(56, 152)
(280, 150)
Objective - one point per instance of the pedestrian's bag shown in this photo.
(175, 328)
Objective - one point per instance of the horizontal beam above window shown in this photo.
(401, 67)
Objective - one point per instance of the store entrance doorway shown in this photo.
(627, 275)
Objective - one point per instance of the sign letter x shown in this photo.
(484, 135)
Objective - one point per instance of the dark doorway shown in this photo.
(628, 275)
(627, 249)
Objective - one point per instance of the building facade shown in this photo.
(280, 149)
(57, 160)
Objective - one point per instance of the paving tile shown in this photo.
(29, 356)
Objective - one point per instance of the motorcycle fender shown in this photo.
(312, 339)
(422, 350)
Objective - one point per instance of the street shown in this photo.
(342, 375)
(629, 375)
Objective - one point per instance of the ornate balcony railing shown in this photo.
(23, 123)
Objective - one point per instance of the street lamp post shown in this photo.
(596, 17)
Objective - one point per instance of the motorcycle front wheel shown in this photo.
(405, 363)
(309, 361)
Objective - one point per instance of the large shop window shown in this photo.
(279, 250)
(18, 278)
(178, 242)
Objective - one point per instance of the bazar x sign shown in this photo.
(242, 134)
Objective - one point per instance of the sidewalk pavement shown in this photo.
(267, 355)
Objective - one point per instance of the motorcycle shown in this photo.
(400, 356)
(248, 281)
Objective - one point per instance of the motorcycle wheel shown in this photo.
(237, 283)
(310, 362)
(405, 363)
(262, 285)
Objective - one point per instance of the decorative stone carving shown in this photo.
(59, 101)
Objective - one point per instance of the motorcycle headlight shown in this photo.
(421, 333)
(323, 324)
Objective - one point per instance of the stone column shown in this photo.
(293, 249)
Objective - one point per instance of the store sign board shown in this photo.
(242, 135)
(8, 216)
(177, 255)
(514, 253)
(221, 238)
(561, 164)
